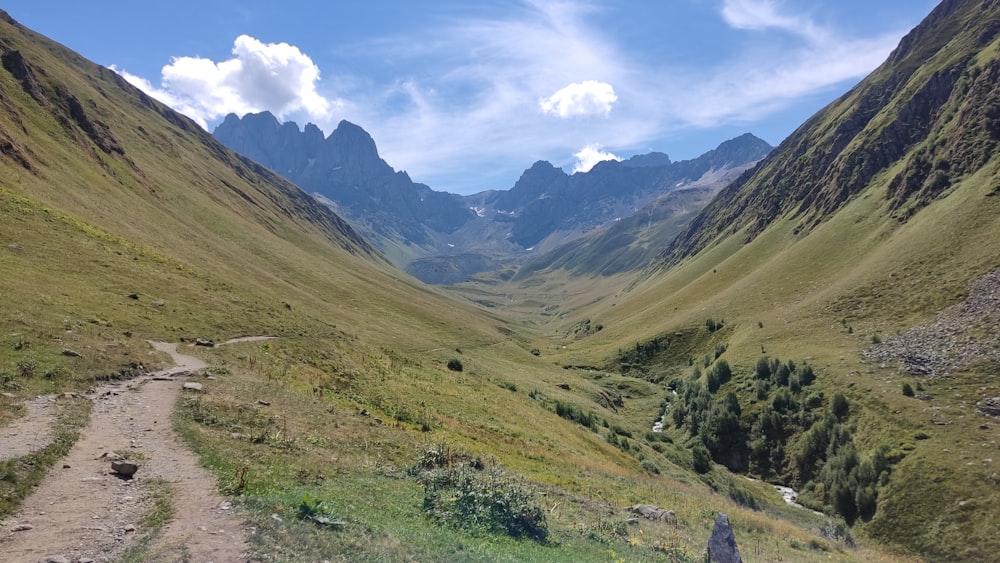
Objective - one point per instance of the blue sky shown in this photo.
(465, 95)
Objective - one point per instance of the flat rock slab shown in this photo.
(192, 386)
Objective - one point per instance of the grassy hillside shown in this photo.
(843, 254)
(380, 406)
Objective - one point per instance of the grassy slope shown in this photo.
(825, 295)
(225, 246)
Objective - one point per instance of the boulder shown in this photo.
(124, 468)
(722, 545)
(650, 512)
(191, 386)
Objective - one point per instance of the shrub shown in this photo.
(840, 407)
(763, 369)
(480, 499)
(26, 368)
(907, 390)
(720, 349)
(650, 467)
(806, 376)
(455, 364)
(701, 458)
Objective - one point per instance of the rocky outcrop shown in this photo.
(960, 335)
(722, 545)
(446, 237)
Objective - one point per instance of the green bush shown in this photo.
(701, 458)
(478, 498)
(907, 390)
(455, 364)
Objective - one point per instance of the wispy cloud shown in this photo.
(478, 93)
(764, 14)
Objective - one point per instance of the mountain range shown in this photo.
(823, 321)
(445, 238)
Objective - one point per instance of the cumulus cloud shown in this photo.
(589, 97)
(590, 155)
(277, 77)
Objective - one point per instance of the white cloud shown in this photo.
(277, 77)
(744, 89)
(758, 15)
(457, 101)
(589, 97)
(589, 156)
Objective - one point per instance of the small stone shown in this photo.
(263, 402)
(70, 353)
(158, 303)
(66, 466)
(8, 395)
(133, 296)
(54, 559)
(129, 528)
(86, 560)
(126, 468)
(22, 528)
(192, 386)
(633, 521)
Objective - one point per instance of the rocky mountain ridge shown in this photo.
(930, 108)
(444, 238)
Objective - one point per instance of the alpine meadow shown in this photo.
(269, 345)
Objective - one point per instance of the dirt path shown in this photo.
(83, 512)
(32, 432)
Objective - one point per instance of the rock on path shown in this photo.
(83, 511)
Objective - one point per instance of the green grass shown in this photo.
(357, 385)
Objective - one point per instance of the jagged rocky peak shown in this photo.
(649, 159)
(349, 143)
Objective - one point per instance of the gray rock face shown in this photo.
(722, 544)
(453, 236)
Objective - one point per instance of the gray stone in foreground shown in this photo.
(126, 468)
(191, 386)
(722, 545)
(54, 559)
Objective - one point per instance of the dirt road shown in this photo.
(84, 512)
